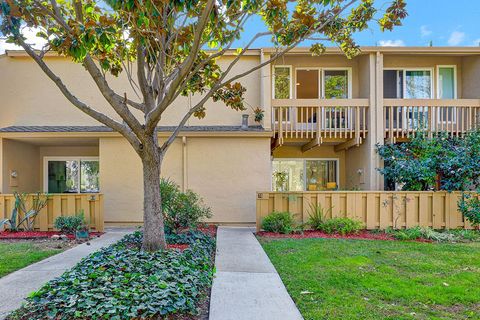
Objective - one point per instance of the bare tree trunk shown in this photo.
(154, 232)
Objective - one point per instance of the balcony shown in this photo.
(312, 122)
(403, 117)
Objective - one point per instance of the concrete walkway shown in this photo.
(17, 285)
(246, 285)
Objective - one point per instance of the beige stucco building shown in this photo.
(323, 118)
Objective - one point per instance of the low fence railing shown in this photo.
(320, 118)
(60, 205)
(404, 117)
(376, 209)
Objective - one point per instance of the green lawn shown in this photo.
(16, 255)
(355, 279)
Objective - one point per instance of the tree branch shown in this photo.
(100, 117)
(179, 73)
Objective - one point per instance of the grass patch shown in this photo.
(355, 279)
(16, 255)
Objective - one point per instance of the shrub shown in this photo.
(181, 210)
(342, 226)
(280, 222)
(469, 206)
(124, 282)
(316, 216)
(69, 224)
(434, 235)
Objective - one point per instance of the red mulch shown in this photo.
(180, 247)
(362, 235)
(209, 229)
(38, 234)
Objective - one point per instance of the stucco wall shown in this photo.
(471, 77)
(226, 172)
(323, 151)
(20, 157)
(30, 98)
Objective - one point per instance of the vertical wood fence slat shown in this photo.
(376, 209)
(72, 204)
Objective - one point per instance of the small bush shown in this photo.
(280, 222)
(469, 206)
(341, 226)
(427, 233)
(69, 224)
(316, 216)
(181, 210)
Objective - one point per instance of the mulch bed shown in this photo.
(362, 235)
(32, 235)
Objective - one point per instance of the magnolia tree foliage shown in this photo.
(161, 46)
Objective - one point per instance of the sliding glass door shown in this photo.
(71, 175)
(408, 84)
(304, 174)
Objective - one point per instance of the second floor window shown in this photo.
(311, 83)
(407, 84)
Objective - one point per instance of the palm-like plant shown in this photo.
(14, 223)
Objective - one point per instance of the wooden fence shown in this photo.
(376, 209)
(61, 205)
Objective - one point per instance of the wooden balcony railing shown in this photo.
(320, 119)
(404, 117)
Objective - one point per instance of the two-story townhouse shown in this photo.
(324, 116)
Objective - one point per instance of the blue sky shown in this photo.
(444, 22)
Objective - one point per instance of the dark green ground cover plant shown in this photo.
(124, 282)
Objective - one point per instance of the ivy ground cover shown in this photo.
(124, 282)
(371, 279)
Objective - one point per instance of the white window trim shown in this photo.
(404, 84)
(304, 160)
(273, 79)
(455, 92)
(349, 76)
(454, 67)
(59, 158)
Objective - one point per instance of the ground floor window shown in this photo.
(71, 175)
(304, 174)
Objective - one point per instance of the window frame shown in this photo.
(304, 161)
(349, 80)
(66, 158)
(404, 70)
(455, 90)
(290, 68)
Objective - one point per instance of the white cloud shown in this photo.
(391, 43)
(456, 37)
(30, 34)
(425, 32)
(476, 42)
